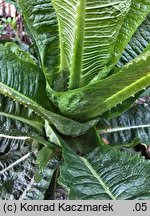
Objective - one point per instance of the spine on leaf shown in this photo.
(93, 100)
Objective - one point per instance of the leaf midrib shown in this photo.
(133, 88)
(25, 157)
(76, 65)
(34, 124)
(112, 130)
(52, 118)
(99, 179)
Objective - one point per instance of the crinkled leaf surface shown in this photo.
(20, 53)
(17, 120)
(14, 173)
(105, 174)
(89, 30)
(25, 83)
(65, 125)
(41, 21)
(95, 99)
(18, 168)
(138, 42)
(20, 73)
(25, 77)
(133, 123)
(37, 191)
(138, 11)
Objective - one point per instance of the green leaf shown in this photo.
(20, 122)
(60, 81)
(22, 74)
(44, 155)
(41, 22)
(131, 124)
(105, 174)
(122, 107)
(88, 32)
(15, 161)
(25, 77)
(17, 120)
(82, 144)
(137, 14)
(18, 168)
(37, 190)
(93, 100)
(138, 43)
(146, 93)
(24, 82)
(64, 125)
(25, 56)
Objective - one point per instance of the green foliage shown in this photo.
(18, 171)
(41, 21)
(44, 155)
(85, 68)
(105, 174)
(130, 79)
(133, 123)
(138, 42)
(10, 22)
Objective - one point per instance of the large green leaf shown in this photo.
(17, 119)
(19, 71)
(25, 83)
(20, 122)
(64, 125)
(137, 14)
(131, 124)
(89, 30)
(41, 22)
(95, 99)
(105, 174)
(25, 77)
